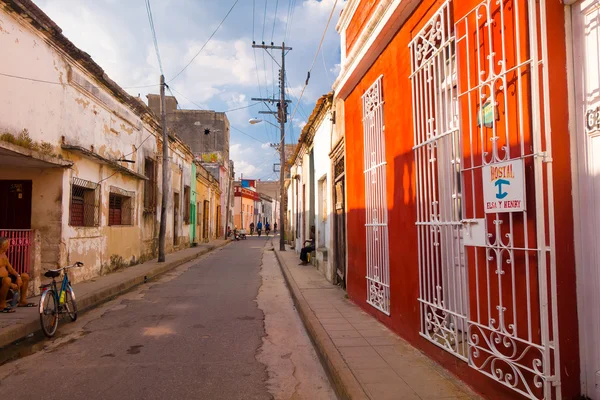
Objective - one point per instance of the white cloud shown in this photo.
(336, 69)
(224, 75)
(245, 168)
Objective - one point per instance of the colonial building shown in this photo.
(459, 175)
(207, 133)
(245, 199)
(205, 206)
(80, 159)
(311, 195)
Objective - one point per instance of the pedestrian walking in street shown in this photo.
(309, 247)
(275, 228)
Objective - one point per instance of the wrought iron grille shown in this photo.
(443, 293)
(19, 252)
(376, 224)
(492, 300)
(120, 207)
(85, 203)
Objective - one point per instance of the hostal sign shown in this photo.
(504, 187)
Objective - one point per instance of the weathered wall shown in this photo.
(190, 125)
(46, 210)
(322, 192)
(75, 107)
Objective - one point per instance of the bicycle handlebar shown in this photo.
(78, 264)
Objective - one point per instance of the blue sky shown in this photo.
(224, 76)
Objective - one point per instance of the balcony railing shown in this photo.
(19, 253)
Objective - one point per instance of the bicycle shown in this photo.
(54, 303)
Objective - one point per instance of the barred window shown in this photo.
(186, 204)
(120, 207)
(85, 203)
(150, 185)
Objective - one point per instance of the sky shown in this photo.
(227, 73)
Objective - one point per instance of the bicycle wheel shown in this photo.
(49, 313)
(70, 304)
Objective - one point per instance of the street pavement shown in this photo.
(220, 327)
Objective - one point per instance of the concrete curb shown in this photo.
(344, 382)
(94, 299)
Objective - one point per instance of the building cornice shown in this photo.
(386, 20)
(347, 14)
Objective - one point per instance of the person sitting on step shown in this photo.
(11, 279)
(306, 250)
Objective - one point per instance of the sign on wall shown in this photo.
(504, 187)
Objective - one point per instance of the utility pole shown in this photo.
(282, 118)
(165, 174)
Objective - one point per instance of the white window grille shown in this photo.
(376, 224)
(443, 294)
(491, 301)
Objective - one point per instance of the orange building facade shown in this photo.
(459, 186)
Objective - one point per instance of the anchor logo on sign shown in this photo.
(501, 194)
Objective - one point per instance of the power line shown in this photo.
(182, 95)
(30, 79)
(140, 87)
(290, 16)
(264, 20)
(244, 133)
(315, 58)
(208, 40)
(153, 31)
(241, 108)
(274, 20)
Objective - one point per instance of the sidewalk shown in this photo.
(89, 294)
(363, 358)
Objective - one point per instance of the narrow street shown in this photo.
(220, 327)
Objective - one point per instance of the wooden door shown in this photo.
(206, 215)
(175, 218)
(339, 227)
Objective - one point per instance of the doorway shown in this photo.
(175, 218)
(339, 219)
(585, 18)
(206, 215)
(15, 204)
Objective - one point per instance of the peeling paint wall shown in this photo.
(63, 104)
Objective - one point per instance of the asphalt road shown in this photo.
(220, 327)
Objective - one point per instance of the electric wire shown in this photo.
(207, 41)
(265, 20)
(244, 133)
(241, 108)
(314, 59)
(153, 31)
(274, 20)
(30, 79)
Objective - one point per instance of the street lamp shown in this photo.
(254, 121)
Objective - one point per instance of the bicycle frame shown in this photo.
(63, 288)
